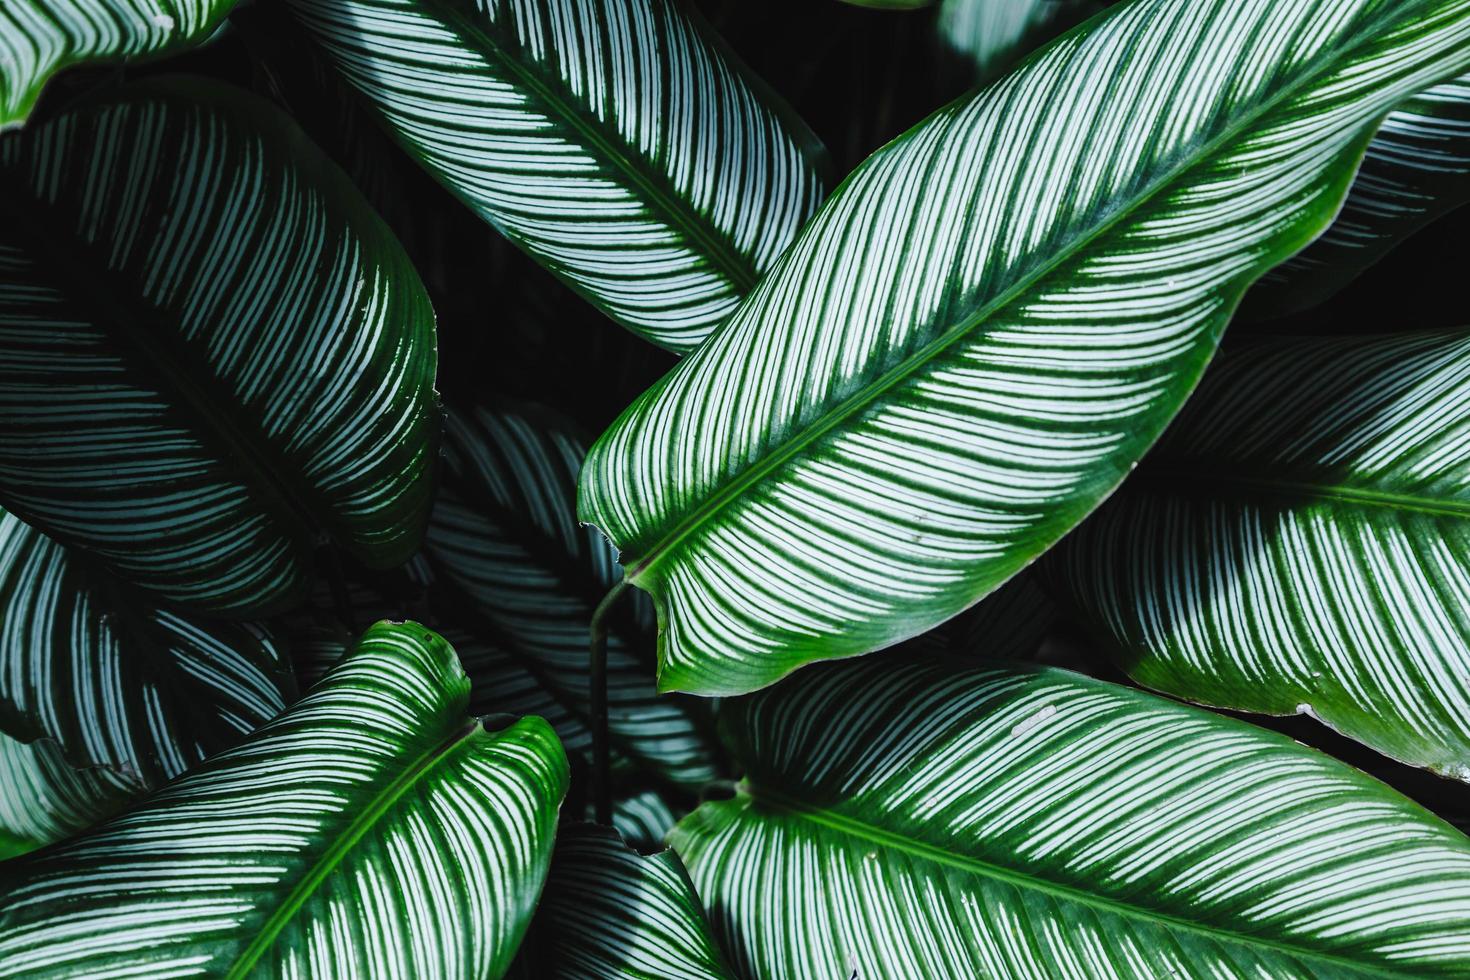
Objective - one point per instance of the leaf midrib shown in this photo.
(923, 850)
(714, 243)
(366, 819)
(865, 395)
(1210, 481)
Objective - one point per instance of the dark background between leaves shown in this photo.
(508, 331)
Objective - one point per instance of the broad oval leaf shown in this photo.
(991, 33)
(213, 356)
(119, 681)
(611, 913)
(43, 799)
(924, 820)
(371, 830)
(617, 142)
(1416, 169)
(981, 332)
(1300, 543)
(521, 576)
(39, 38)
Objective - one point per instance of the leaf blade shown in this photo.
(946, 373)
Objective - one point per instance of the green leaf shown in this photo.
(522, 577)
(932, 820)
(971, 344)
(618, 143)
(115, 679)
(372, 830)
(213, 356)
(609, 913)
(1416, 169)
(39, 38)
(991, 33)
(44, 799)
(1300, 543)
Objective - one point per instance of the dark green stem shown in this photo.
(597, 712)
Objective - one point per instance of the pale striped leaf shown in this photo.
(39, 38)
(615, 142)
(928, 820)
(1300, 542)
(43, 799)
(115, 679)
(522, 577)
(611, 914)
(372, 830)
(991, 33)
(213, 356)
(1417, 169)
(981, 332)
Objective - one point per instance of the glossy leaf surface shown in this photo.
(988, 324)
(213, 356)
(616, 142)
(1300, 543)
(938, 821)
(38, 38)
(373, 829)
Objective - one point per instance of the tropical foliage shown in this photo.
(439, 442)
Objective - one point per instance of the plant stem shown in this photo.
(597, 680)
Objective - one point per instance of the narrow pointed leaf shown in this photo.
(981, 332)
(926, 820)
(213, 356)
(372, 830)
(504, 536)
(43, 799)
(116, 680)
(1300, 543)
(39, 38)
(1416, 169)
(611, 914)
(615, 142)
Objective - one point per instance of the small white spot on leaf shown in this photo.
(164, 21)
(1035, 721)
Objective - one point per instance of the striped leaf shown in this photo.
(43, 799)
(1416, 169)
(522, 577)
(213, 356)
(927, 820)
(991, 33)
(372, 830)
(610, 914)
(39, 38)
(617, 142)
(974, 340)
(1300, 543)
(116, 680)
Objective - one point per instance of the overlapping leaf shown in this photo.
(504, 535)
(38, 38)
(43, 799)
(213, 356)
(980, 333)
(610, 913)
(1300, 542)
(1416, 169)
(617, 143)
(939, 821)
(115, 680)
(372, 830)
